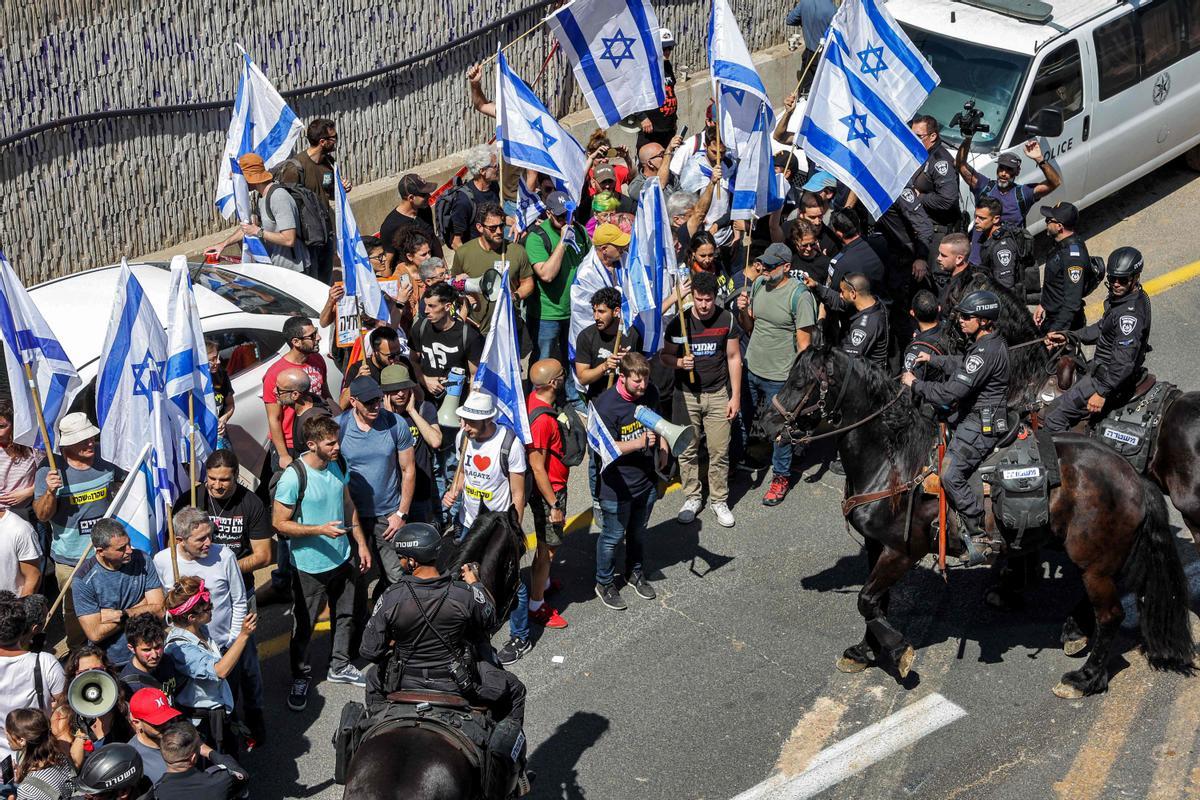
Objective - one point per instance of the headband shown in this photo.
(202, 595)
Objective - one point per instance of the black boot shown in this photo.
(975, 541)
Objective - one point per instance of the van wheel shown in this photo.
(1192, 158)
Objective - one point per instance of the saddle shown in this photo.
(1020, 475)
(1132, 428)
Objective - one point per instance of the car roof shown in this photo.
(78, 306)
(1004, 32)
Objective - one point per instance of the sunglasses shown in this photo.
(495, 227)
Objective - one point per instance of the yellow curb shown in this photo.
(1152, 287)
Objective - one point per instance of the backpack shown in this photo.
(1029, 282)
(573, 432)
(312, 221)
(1094, 275)
(443, 210)
(797, 293)
(301, 481)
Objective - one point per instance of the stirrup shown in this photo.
(974, 553)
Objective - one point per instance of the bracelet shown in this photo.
(1041, 163)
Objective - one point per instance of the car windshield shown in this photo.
(992, 78)
(249, 295)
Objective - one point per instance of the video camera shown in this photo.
(969, 121)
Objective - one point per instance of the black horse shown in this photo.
(420, 763)
(1108, 517)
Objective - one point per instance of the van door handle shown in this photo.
(1087, 126)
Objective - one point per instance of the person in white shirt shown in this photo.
(20, 555)
(19, 668)
(491, 472)
(215, 564)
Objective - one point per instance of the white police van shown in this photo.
(1124, 76)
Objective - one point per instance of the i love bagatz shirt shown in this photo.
(485, 478)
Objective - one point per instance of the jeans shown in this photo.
(321, 258)
(552, 343)
(622, 519)
(518, 620)
(706, 411)
(389, 562)
(343, 588)
(761, 393)
(246, 679)
(446, 464)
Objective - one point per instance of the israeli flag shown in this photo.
(600, 440)
(591, 277)
(615, 49)
(882, 55)
(131, 404)
(857, 136)
(356, 267)
(650, 272)
(188, 375)
(529, 208)
(28, 340)
(531, 137)
(499, 372)
(139, 508)
(254, 251)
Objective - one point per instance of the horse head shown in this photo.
(805, 402)
(495, 542)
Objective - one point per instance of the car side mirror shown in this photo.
(1047, 122)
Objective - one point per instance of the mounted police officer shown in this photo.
(976, 391)
(1122, 339)
(997, 253)
(423, 635)
(1061, 308)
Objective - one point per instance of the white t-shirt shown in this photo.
(18, 543)
(17, 688)
(485, 479)
(223, 580)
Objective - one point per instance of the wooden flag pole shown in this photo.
(41, 420)
(616, 351)
(804, 74)
(492, 57)
(687, 346)
(171, 544)
(191, 453)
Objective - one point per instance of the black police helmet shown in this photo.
(418, 541)
(1125, 262)
(982, 304)
(110, 769)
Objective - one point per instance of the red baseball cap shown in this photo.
(152, 706)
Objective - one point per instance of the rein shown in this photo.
(790, 417)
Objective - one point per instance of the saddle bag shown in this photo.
(1130, 429)
(345, 739)
(1020, 489)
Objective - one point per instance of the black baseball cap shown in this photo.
(556, 203)
(1009, 161)
(1065, 213)
(413, 184)
(364, 389)
(775, 255)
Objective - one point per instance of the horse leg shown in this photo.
(1080, 624)
(1092, 677)
(858, 657)
(872, 602)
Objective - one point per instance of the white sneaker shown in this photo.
(724, 515)
(687, 514)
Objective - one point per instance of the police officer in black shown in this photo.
(942, 202)
(865, 334)
(976, 391)
(927, 338)
(1061, 308)
(1122, 339)
(999, 252)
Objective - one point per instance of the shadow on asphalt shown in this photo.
(554, 761)
(273, 770)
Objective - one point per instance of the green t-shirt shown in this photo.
(323, 501)
(772, 346)
(472, 259)
(554, 296)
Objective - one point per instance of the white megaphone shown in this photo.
(677, 436)
(489, 285)
(93, 693)
(456, 381)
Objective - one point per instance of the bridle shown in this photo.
(826, 413)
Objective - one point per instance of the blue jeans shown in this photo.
(552, 343)
(247, 682)
(518, 620)
(761, 392)
(622, 519)
(446, 464)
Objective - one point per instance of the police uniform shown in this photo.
(908, 229)
(977, 389)
(942, 203)
(1062, 287)
(923, 342)
(858, 256)
(865, 332)
(999, 257)
(1122, 339)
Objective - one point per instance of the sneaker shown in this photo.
(642, 586)
(610, 595)
(776, 491)
(687, 514)
(348, 674)
(512, 651)
(724, 515)
(547, 617)
(298, 696)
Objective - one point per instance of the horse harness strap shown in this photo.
(854, 501)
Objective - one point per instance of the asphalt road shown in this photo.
(727, 678)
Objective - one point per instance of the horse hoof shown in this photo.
(1068, 692)
(905, 661)
(1075, 646)
(850, 665)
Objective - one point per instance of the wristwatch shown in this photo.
(124, 615)
(403, 515)
(1040, 163)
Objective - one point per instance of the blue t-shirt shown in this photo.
(371, 457)
(97, 587)
(322, 502)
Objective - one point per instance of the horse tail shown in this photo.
(1158, 581)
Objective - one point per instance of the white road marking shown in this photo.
(852, 755)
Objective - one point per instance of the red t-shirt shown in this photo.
(547, 436)
(314, 365)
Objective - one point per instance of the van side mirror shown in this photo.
(1046, 122)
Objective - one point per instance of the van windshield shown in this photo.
(968, 70)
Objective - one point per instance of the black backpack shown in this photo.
(572, 429)
(312, 213)
(443, 211)
(301, 482)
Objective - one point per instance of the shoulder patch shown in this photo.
(909, 358)
(1128, 322)
(908, 196)
(1074, 250)
(478, 594)
(941, 167)
(1004, 257)
(1075, 274)
(378, 605)
(973, 363)
(857, 336)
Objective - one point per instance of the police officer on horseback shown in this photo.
(1122, 339)
(425, 634)
(976, 393)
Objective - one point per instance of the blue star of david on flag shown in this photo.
(611, 55)
(865, 55)
(548, 141)
(147, 379)
(857, 128)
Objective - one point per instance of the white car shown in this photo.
(242, 307)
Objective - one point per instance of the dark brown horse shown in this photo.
(420, 763)
(1111, 521)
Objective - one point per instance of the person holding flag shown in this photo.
(279, 219)
(189, 383)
